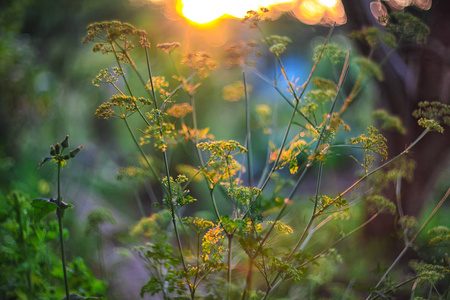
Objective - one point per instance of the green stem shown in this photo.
(230, 253)
(150, 76)
(277, 89)
(397, 286)
(203, 165)
(248, 281)
(398, 188)
(272, 286)
(194, 122)
(59, 213)
(140, 149)
(343, 74)
(297, 97)
(408, 244)
(139, 202)
(311, 220)
(216, 210)
(174, 221)
(248, 143)
(340, 240)
(280, 213)
(166, 164)
(126, 82)
(283, 143)
(380, 167)
(197, 261)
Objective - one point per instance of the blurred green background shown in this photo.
(46, 93)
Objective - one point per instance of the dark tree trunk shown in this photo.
(414, 73)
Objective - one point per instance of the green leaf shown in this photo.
(46, 159)
(42, 207)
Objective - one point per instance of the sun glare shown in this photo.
(328, 3)
(308, 11)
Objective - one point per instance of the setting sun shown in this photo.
(307, 11)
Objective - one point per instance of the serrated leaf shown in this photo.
(42, 207)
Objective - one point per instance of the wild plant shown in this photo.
(246, 250)
(49, 205)
(82, 277)
(31, 267)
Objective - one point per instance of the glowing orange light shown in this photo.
(328, 3)
(307, 11)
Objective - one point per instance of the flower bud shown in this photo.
(75, 151)
(52, 150)
(58, 148)
(65, 143)
(67, 156)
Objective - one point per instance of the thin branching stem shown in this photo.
(194, 122)
(278, 90)
(127, 85)
(139, 202)
(341, 81)
(139, 111)
(169, 184)
(280, 213)
(321, 210)
(340, 239)
(248, 139)
(229, 256)
(398, 188)
(409, 243)
(295, 109)
(310, 222)
(382, 166)
(203, 165)
(397, 286)
(275, 164)
(59, 213)
(141, 151)
(150, 76)
(172, 209)
(165, 158)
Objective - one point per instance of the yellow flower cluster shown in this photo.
(160, 85)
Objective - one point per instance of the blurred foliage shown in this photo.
(45, 73)
(31, 267)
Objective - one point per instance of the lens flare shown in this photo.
(203, 12)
